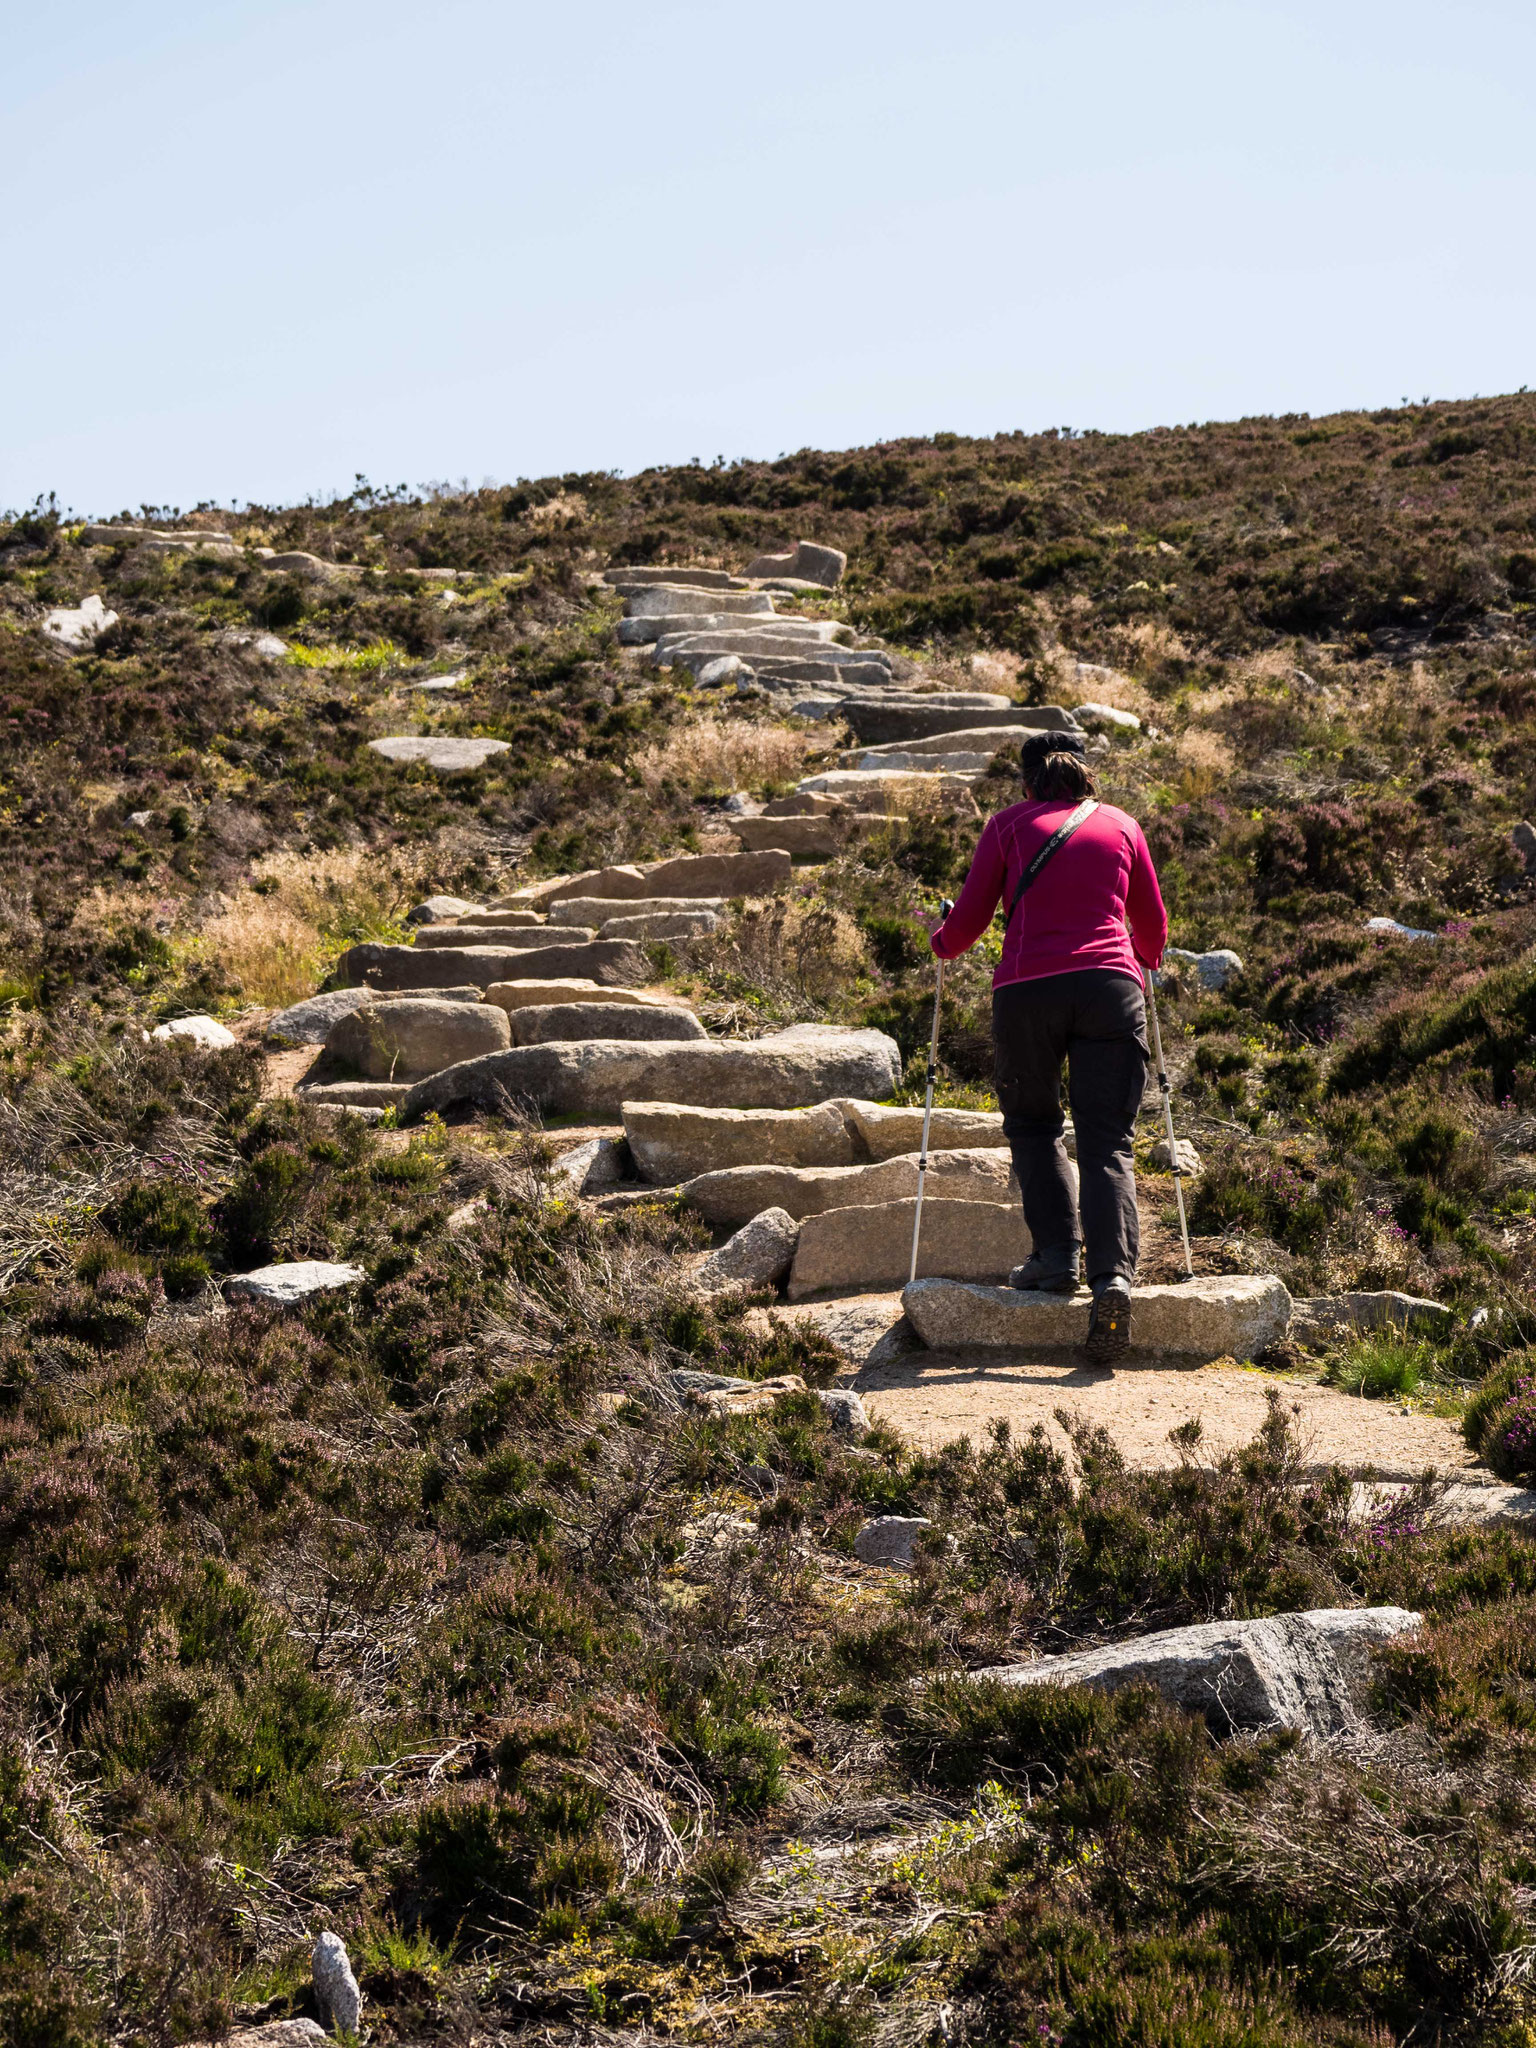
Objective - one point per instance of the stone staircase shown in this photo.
(780, 1143)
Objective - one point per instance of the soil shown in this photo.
(936, 1396)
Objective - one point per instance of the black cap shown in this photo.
(1032, 754)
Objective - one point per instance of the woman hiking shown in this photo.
(1085, 915)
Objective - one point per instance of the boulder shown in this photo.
(731, 1194)
(888, 1539)
(453, 681)
(756, 645)
(1523, 839)
(412, 967)
(673, 1141)
(804, 1064)
(868, 1249)
(529, 937)
(273, 2034)
(873, 720)
(810, 562)
(293, 1281)
(77, 627)
(726, 671)
(336, 1991)
(659, 600)
(307, 1023)
(443, 909)
(598, 909)
(295, 562)
(522, 995)
(594, 1168)
(1106, 714)
(444, 755)
(885, 1133)
(1389, 928)
(690, 875)
(759, 1255)
(1310, 1672)
(844, 1410)
(1212, 970)
(657, 925)
(1210, 1317)
(545, 1023)
(204, 1031)
(1321, 1316)
(1162, 1156)
(400, 1041)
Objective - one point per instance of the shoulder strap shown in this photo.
(1051, 848)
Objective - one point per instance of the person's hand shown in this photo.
(930, 920)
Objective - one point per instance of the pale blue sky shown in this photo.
(250, 249)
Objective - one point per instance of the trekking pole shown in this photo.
(1173, 1143)
(945, 907)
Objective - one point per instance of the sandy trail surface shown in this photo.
(936, 1396)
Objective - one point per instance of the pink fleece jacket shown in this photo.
(1096, 902)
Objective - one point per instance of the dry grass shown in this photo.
(712, 756)
(802, 954)
(279, 938)
(1205, 761)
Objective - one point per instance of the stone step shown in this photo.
(733, 1195)
(445, 910)
(970, 739)
(518, 995)
(877, 719)
(808, 838)
(415, 1036)
(658, 925)
(379, 966)
(690, 579)
(689, 650)
(691, 875)
(354, 1094)
(969, 766)
(529, 939)
(872, 787)
(674, 1141)
(1310, 1672)
(867, 1249)
(1219, 1317)
(597, 909)
(651, 627)
(863, 674)
(551, 1023)
(660, 600)
(804, 1064)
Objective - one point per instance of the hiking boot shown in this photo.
(1048, 1272)
(1109, 1326)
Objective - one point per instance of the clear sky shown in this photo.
(249, 250)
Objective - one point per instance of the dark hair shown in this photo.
(1060, 777)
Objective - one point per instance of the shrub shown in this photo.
(717, 755)
(1385, 1364)
(1500, 1419)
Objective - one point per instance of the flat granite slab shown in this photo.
(1227, 1316)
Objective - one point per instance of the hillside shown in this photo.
(439, 1611)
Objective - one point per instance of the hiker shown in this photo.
(1082, 922)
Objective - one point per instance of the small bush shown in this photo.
(1500, 1419)
(1382, 1365)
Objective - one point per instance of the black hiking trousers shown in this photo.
(1096, 1020)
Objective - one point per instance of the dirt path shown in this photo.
(936, 1396)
